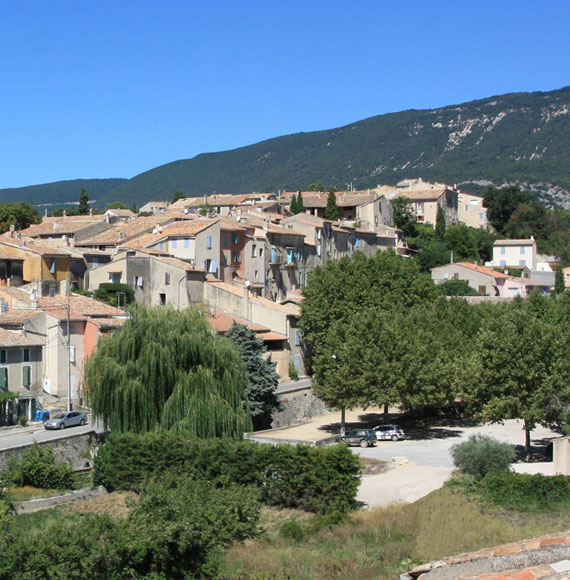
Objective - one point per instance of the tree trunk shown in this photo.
(385, 412)
(527, 441)
(342, 422)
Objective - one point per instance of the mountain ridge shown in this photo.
(504, 139)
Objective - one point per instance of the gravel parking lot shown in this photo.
(423, 461)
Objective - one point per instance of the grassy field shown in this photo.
(383, 542)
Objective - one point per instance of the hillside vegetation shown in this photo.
(518, 137)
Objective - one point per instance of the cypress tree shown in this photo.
(260, 375)
(83, 203)
(293, 204)
(331, 211)
(440, 224)
(300, 203)
(167, 370)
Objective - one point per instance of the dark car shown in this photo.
(386, 432)
(362, 437)
(63, 420)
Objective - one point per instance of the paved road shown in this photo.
(16, 436)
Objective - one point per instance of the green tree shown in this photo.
(316, 187)
(404, 217)
(83, 203)
(293, 205)
(462, 242)
(440, 224)
(261, 378)
(520, 368)
(458, 288)
(178, 194)
(559, 281)
(19, 214)
(331, 211)
(117, 205)
(166, 370)
(300, 203)
(501, 204)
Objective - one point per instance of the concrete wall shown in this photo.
(561, 456)
(77, 450)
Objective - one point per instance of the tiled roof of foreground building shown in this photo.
(546, 557)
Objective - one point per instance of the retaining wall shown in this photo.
(35, 505)
(300, 406)
(77, 450)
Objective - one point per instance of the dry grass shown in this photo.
(27, 492)
(113, 504)
(383, 542)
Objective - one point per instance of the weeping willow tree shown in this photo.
(167, 370)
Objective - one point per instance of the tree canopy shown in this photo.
(261, 378)
(166, 370)
(17, 213)
(331, 211)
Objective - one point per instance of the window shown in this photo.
(226, 241)
(138, 282)
(522, 262)
(420, 206)
(503, 263)
(224, 259)
(255, 275)
(26, 354)
(319, 232)
(482, 290)
(300, 254)
(273, 255)
(235, 238)
(115, 277)
(522, 249)
(445, 276)
(236, 257)
(167, 278)
(481, 216)
(209, 242)
(261, 252)
(290, 256)
(174, 243)
(95, 263)
(159, 245)
(186, 242)
(71, 354)
(503, 250)
(52, 265)
(466, 208)
(297, 337)
(162, 299)
(357, 242)
(26, 376)
(253, 248)
(3, 356)
(3, 379)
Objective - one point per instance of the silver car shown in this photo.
(393, 432)
(63, 420)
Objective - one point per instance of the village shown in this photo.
(244, 258)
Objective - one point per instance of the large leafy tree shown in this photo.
(350, 318)
(261, 378)
(166, 370)
(404, 217)
(520, 364)
(17, 213)
(502, 203)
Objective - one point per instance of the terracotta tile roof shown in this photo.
(122, 232)
(108, 322)
(16, 316)
(11, 338)
(64, 225)
(121, 212)
(548, 556)
(428, 194)
(177, 263)
(81, 306)
(31, 245)
(513, 242)
(315, 199)
(483, 270)
(231, 224)
(18, 293)
(222, 321)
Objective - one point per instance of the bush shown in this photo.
(38, 468)
(481, 455)
(107, 292)
(526, 491)
(320, 480)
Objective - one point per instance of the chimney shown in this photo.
(64, 213)
(12, 228)
(90, 211)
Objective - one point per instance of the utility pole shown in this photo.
(68, 348)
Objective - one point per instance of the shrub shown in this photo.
(320, 480)
(480, 455)
(293, 374)
(526, 491)
(38, 468)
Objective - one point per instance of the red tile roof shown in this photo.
(15, 338)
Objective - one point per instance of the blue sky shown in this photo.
(116, 87)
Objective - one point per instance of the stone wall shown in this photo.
(300, 406)
(35, 505)
(77, 450)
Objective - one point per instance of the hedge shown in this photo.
(320, 480)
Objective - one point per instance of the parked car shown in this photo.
(63, 420)
(362, 437)
(393, 432)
